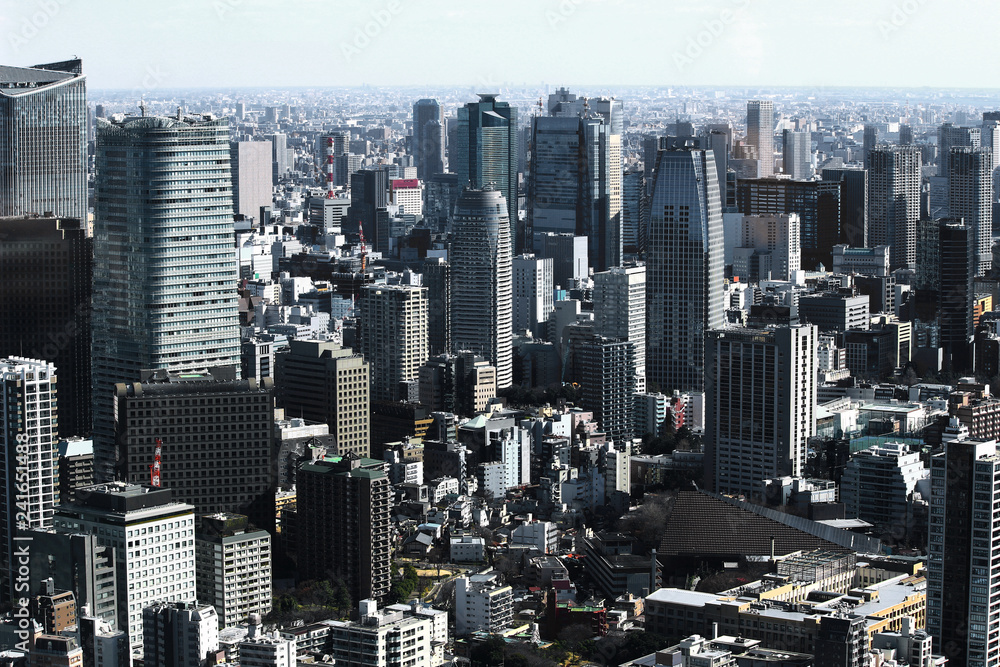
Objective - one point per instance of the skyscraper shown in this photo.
(956, 294)
(950, 135)
(481, 287)
(28, 454)
(963, 590)
(759, 404)
(392, 331)
(532, 293)
(606, 374)
(760, 134)
(321, 381)
(634, 213)
(486, 153)
(59, 332)
(869, 141)
(970, 197)
(252, 176)
(428, 138)
(817, 204)
(43, 140)
(684, 267)
(796, 155)
(343, 524)
(575, 179)
(437, 279)
(165, 266)
(620, 312)
(853, 204)
(894, 202)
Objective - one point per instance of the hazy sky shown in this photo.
(221, 43)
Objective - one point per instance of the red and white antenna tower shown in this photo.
(154, 470)
(329, 167)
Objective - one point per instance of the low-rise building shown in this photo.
(482, 604)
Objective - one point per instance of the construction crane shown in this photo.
(154, 469)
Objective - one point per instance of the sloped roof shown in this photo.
(703, 524)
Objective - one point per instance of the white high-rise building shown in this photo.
(970, 197)
(532, 293)
(761, 402)
(620, 312)
(29, 456)
(392, 331)
(769, 248)
(233, 568)
(481, 291)
(179, 633)
(894, 202)
(760, 134)
(153, 538)
(797, 154)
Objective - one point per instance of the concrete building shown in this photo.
(894, 202)
(768, 248)
(179, 634)
(620, 311)
(481, 287)
(835, 312)
(482, 604)
(392, 332)
(963, 592)
(760, 134)
(102, 644)
(52, 650)
(864, 261)
(568, 252)
(797, 154)
(343, 524)
(605, 371)
(142, 524)
(79, 562)
(215, 434)
(407, 194)
(233, 568)
(878, 486)
(29, 423)
(253, 176)
(178, 287)
(532, 293)
(970, 197)
(321, 381)
(383, 637)
(761, 398)
(260, 649)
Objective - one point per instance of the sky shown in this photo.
(129, 44)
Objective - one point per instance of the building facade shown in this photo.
(482, 283)
(43, 140)
(760, 403)
(684, 268)
(165, 266)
